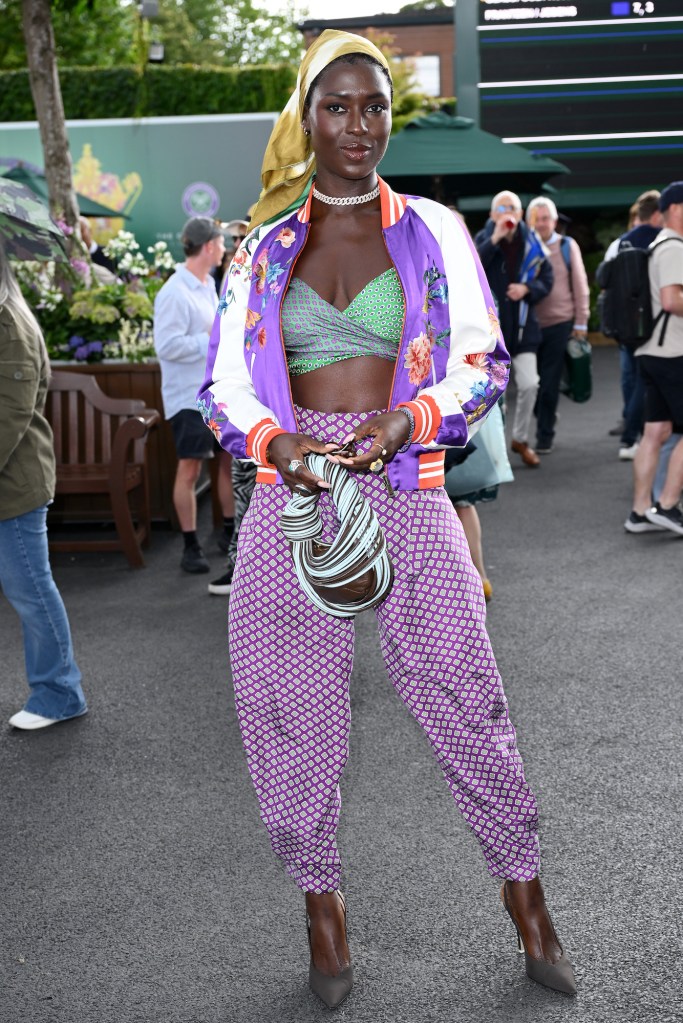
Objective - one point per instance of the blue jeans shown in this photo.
(633, 392)
(26, 580)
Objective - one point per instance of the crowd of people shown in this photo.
(289, 353)
(541, 294)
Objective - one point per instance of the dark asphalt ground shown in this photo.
(138, 884)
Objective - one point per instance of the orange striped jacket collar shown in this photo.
(393, 205)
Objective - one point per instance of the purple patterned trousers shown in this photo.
(291, 665)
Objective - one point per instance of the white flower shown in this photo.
(134, 343)
(123, 244)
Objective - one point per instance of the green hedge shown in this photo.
(182, 89)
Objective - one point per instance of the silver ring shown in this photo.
(383, 450)
(294, 465)
(303, 488)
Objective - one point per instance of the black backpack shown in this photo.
(624, 305)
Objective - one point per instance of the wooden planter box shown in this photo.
(130, 380)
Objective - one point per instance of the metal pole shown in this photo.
(466, 58)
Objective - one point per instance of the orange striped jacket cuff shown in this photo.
(258, 439)
(427, 418)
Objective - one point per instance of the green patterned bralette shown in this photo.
(317, 334)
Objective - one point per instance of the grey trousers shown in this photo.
(525, 372)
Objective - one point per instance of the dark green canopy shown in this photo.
(36, 182)
(461, 160)
(26, 229)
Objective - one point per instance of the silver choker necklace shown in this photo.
(351, 200)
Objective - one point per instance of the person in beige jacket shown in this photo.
(27, 483)
(561, 314)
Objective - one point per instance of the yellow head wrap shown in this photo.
(289, 162)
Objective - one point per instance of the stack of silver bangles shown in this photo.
(411, 433)
(358, 550)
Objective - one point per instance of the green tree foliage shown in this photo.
(109, 33)
(425, 5)
(252, 35)
(233, 33)
(12, 50)
(188, 36)
(409, 101)
(99, 33)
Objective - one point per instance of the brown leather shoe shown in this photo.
(527, 454)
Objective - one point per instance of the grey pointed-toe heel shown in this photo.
(332, 990)
(558, 976)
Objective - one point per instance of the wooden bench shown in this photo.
(100, 448)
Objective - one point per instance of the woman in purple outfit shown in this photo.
(356, 315)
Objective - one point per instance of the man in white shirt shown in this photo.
(184, 311)
(661, 364)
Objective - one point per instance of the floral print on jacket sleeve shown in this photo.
(213, 415)
(418, 357)
(266, 274)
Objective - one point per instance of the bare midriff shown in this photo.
(354, 385)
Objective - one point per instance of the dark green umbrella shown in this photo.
(36, 182)
(463, 160)
(26, 229)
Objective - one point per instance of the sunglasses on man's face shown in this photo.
(237, 238)
(505, 209)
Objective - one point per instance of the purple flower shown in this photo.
(95, 347)
(75, 341)
(498, 374)
(82, 352)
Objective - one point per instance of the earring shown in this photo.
(306, 131)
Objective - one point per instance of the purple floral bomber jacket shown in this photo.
(452, 364)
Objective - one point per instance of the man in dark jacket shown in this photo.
(519, 275)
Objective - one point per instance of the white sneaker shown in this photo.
(27, 721)
(627, 454)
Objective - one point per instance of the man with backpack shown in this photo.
(640, 236)
(660, 360)
(561, 314)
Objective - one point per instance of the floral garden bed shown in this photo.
(106, 329)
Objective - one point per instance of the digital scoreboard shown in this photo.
(596, 84)
(505, 11)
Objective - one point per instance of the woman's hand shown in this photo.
(390, 432)
(289, 448)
